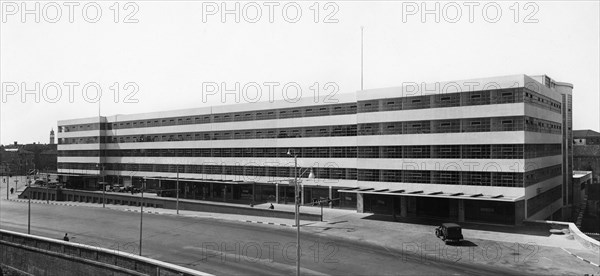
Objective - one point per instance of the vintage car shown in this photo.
(449, 233)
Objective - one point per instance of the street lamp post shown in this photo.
(142, 212)
(7, 180)
(103, 188)
(296, 210)
(47, 190)
(101, 169)
(29, 212)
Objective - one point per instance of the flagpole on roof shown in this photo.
(361, 57)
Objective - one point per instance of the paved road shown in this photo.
(223, 247)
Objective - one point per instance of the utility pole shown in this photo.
(177, 203)
(103, 188)
(297, 212)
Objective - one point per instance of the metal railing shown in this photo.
(113, 260)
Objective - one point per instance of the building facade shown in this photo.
(483, 150)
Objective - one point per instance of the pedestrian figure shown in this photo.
(65, 238)
(12, 190)
(271, 207)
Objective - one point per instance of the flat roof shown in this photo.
(580, 174)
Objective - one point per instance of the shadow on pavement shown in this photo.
(466, 243)
(527, 228)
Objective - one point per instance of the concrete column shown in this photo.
(224, 193)
(360, 207)
(520, 212)
(330, 196)
(403, 206)
(302, 195)
(461, 210)
(277, 193)
(159, 183)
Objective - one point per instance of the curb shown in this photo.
(129, 210)
(38, 202)
(157, 213)
(268, 223)
(587, 261)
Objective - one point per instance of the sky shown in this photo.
(148, 56)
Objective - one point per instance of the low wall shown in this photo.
(582, 238)
(160, 202)
(44, 256)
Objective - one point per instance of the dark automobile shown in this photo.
(449, 233)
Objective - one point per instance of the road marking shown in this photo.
(587, 261)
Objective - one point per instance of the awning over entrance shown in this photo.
(421, 193)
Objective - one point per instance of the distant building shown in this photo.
(17, 158)
(586, 137)
(586, 152)
(493, 150)
(22, 159)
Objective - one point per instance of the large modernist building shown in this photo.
(494, 150)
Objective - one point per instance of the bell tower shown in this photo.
(52, 137)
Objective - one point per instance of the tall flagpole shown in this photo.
(361, 57)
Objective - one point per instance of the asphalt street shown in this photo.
(224, 247)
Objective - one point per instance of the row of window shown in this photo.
(509, 151)
(542, 150)
(502, 179)
(501, 96)
(542, 101)
(270, 114)
(543, 200)
(542, 174)
(513, 123)
(462, 151)
(510, 95)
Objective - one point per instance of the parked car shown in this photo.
(449, 233)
